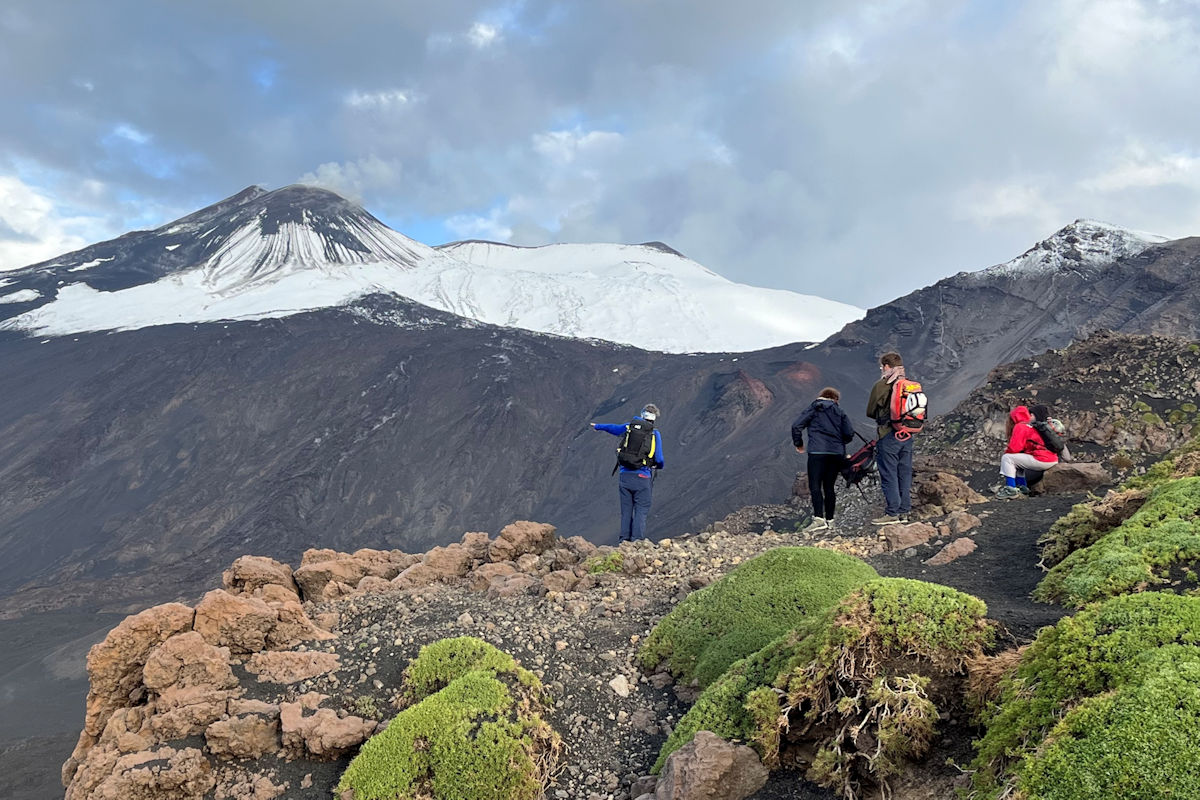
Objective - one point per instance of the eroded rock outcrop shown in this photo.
(710, 768)
(321, 734)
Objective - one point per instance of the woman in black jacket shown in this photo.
(829, 430)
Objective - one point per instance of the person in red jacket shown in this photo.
(1025, 451)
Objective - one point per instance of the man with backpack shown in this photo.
(898, 406)
(638, 455)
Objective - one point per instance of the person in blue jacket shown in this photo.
(636, 483)
(829, 430)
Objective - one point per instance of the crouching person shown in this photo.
(1027, 452)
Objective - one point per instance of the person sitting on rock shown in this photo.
(1026, 453)
(829, 430)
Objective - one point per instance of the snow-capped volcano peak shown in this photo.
(299, 228)
(1084, 242)
(265, 254)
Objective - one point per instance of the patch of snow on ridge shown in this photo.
(641, 295)
(1083, 243)
(93, 263)
(22, 296)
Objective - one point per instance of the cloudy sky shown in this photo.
(852, 150)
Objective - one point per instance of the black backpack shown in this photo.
(637, 445)
(1050, 437)
(859, 466)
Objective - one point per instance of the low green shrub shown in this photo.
(439, 664)
(742, 612)
(1137, 743)
(736, 705)
(1089, 655)
(1135, 555)
(612, 562)
(866, 664)
(1087, 522)
(474, 732)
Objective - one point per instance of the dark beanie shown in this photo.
(1040, 413)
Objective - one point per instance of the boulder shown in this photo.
(321, 734)
(244, 736)
(519, 538)
(561, 580)
(710, 768)
(249, 574)
(239, 622)
(902, 536)
(187, 711)
(155, 774)
(512, 586)
(187, 661)
(319, 569)
(581, 547)
(288, 666)
(1075, 476)
(451, 561)
(959, 522)
(416, 576)
(955, 550)
(481, 577)
(238, 785)
(313, 577)
(946, 492)
(115, 665)
(292, 626)
(476, 543)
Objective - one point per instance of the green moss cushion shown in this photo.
(748, 608)
(1137, 743)
(1137, 554)
(473, 734)
(1093, 654)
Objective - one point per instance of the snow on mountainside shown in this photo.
(265, 254)
(1084, 242)
(646, 295)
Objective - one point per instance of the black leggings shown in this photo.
(823, 471)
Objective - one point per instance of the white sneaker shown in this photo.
(818, 524)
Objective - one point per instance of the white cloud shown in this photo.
(482, 35)
(386, 99)
(988, 205)
(353, 179)
(130, 133)
(473, 226)
(564, 147)
(1139, 168)
(31, 228)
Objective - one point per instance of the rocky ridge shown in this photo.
(1123, 398)
(252, 694)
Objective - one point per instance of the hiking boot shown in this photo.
(1023, 490)
(904, 518)
(886, 519)
(1007, 492)
(818, 524)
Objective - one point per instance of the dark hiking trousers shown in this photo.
(894, 458)
(636, 489)
(823, 471)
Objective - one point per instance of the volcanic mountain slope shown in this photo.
(1087, 277)
(133, 464)
(264, 254)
